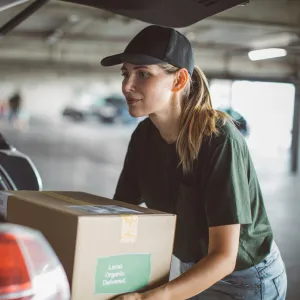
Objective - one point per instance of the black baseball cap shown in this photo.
(155, 45)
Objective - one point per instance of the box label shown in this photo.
(105, 209)
(122, 273)
(3, 203)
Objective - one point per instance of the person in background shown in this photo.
(188, 159)
(14, 103)
(3, 108)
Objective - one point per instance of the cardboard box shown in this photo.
(106, 247)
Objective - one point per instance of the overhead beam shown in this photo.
(253, 23)
(58, 33)
(9, 67)
(209, 59)
(24, 38)
(78, 38)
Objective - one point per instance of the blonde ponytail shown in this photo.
(198, 118)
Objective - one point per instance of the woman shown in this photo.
(190, 159)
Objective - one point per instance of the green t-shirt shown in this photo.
(222, 189)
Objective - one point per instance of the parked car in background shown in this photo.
(81, 107)
(106, 109)
(240, 122)
(113, 110)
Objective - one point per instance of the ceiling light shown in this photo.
(267, 53)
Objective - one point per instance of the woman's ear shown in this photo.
(181, 79)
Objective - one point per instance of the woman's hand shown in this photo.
(132, 296)
(155, 294)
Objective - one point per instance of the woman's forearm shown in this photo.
(204, 274)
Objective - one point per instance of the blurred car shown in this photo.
(17, 171)
(107, 109)
(240, 122)
(114, 109)
(80, 108)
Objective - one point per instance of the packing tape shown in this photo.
(66, 198)
(129, 228)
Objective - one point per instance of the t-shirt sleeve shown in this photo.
(127, 189)
(226, 189)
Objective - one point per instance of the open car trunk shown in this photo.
(171, 13)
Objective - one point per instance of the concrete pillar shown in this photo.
(295, 155)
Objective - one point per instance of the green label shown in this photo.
(122, 273)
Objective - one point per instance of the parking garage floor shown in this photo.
(89, 157)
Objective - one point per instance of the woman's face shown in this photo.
(147, 89)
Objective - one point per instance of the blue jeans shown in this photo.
(265, 281)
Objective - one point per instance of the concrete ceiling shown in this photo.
(63, 35)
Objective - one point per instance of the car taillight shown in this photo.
(29, 268)
(14, 277)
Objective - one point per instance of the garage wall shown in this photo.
(45, 94)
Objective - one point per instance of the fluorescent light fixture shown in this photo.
(267, 53)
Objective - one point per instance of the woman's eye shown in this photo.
(124, 74)
(144, 74)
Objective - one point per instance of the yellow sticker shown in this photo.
(129, 229)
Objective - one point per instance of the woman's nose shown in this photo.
(129, 85)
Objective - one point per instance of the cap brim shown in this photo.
(136, 59)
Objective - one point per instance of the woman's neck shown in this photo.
(167, 124)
